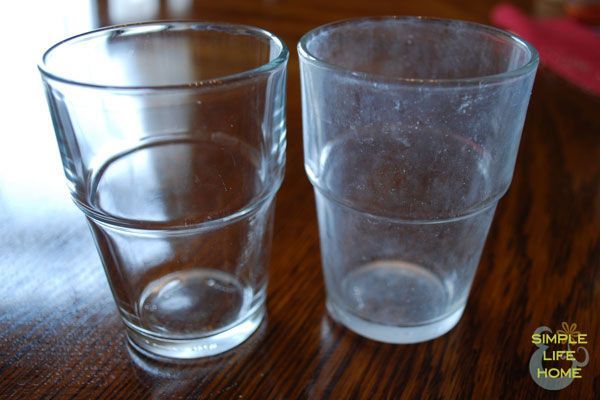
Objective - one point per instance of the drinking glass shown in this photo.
(172, 138)
(411, 130)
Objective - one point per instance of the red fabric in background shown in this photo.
(567, 47)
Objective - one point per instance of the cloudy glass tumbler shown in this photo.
(172, 137)
(411, 130)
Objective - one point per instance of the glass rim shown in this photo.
(307, 56)
(281, 58)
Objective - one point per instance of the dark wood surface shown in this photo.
(60, 336)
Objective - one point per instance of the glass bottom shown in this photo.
(395, 301)
(206, 346)
(195, 313)
(394, 334)
(193, 303)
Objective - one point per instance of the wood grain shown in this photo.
(60, 336)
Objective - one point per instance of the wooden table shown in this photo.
(60, 336)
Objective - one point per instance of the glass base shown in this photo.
(394, 334)
(200, 347)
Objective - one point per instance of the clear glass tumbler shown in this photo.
(172, 137)
(411, 130)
